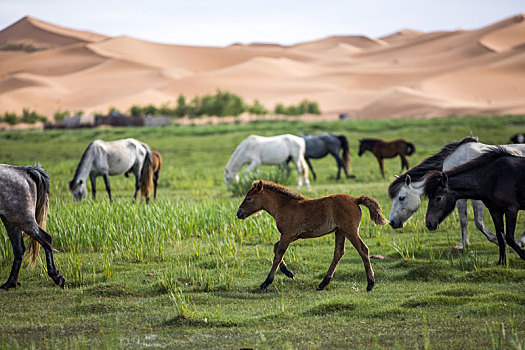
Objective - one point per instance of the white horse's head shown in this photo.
(230, 176)
(78, 189)
(405, 203)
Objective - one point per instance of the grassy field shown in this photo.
(184, 271)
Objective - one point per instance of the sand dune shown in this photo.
(406, 74)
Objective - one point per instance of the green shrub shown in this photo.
(32, 117)
(10, 118)
(281, 176)
(60, 115)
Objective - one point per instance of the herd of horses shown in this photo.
(467, 169)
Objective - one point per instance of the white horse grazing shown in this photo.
(259, 150)
(103, 158)
(407, 189)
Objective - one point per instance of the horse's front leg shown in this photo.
(380, 160)
(463, 222)
(15, 236)
(497, 218)
(282, 266)
(282, 246)
(108, 188)
(511, 216)
(311, 168)
(477, 205)
(93, 180)
(251, 167)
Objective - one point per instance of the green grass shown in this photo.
(184, 271)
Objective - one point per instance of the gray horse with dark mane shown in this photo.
(24, 192)
(320, 145)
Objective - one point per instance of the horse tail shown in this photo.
(346, 152)
(374, 208)
(41, 180)
(409, 148)
(146, 175)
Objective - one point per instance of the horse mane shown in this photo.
(272, 186)
(369, 141)
(434, 162)
(82, 160)
(434, 178)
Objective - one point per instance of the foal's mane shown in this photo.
(369, 141)
(434, 162)
(434, 178)
(268, 185)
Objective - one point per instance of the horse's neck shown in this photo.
(419, 187)
(237, 159)
(85, 165)
(274, 204)
(466, 185)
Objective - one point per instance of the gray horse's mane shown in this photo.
(434, 179)
(82, 160)
(434, 162)
(268, 185)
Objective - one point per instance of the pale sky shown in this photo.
(223, 22)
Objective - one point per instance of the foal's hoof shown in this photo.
(287, 272)
(324, 283)
(5, 287)
(370, 286)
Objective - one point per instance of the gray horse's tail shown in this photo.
(146, 175)
(41, 179)
(346, 153)
(409, 148)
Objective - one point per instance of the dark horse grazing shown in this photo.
(24, 192)
(320, 145)
(387, 149)
(145, 186)
(297, 217)
(495, 178)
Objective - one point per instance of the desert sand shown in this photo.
(406, 74)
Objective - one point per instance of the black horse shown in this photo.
(496, 178)
(518, 138)
(320, 145)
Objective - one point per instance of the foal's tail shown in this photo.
(374, 208)
(346, 152)
(409, 148)
(41, 179)
(146, 175)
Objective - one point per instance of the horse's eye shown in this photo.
(438, 198)
(249, 199)
(401, 198)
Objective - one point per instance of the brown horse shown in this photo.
(145, 186)
(297, 217)
(387, 149)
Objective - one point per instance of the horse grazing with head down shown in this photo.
(320, 145)
(24, 192)
(103, 158)
(297, 217)
(495, 178)
(387, 149)
(259, 150)
(145, 186)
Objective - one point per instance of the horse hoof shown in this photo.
(370, 286)
(60, 281)
(319, 287)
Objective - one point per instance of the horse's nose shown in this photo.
(241, 215)
(395, 225)
(431, 226)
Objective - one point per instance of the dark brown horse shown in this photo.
(145, 186)
(387, 149)
(297, 217)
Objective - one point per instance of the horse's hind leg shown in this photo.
(477, 205)
(362, 249)
(311, 168)
(108, 188)
(15, 236)
(339, 251)
(404, 162)
(155, 181)
(497, 218)
(511, 216)
(45, 241)
(282, 266)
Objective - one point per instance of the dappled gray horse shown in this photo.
(24, 192)
(320, 145)
(103, 158)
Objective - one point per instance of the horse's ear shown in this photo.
(408, 180)
(444, 179)
(259, 185)
(396, 176)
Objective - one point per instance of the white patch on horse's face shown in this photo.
(79, 191)
(404, 205)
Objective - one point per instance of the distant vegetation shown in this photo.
(21, 47)
(221, 104)
(30, 117)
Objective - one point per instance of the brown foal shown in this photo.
(297, 217)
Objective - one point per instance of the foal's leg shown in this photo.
(282, 266)
(282, 245)
(15, 236)
(108, 188)
(477, 205)
(155, 181)
(362, 249)
(511, 216)
(339, 251)
(380, 160)
(93, 180)
(463, 222)
(45, 240)
(497, 218)
(404, 162)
